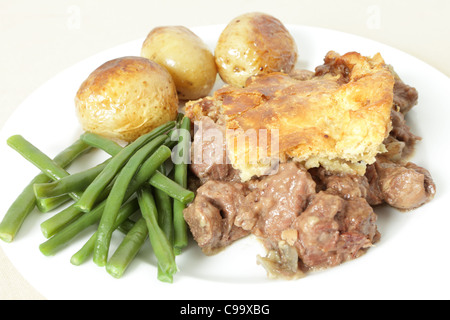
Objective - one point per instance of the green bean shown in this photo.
(169, 142)
(74, 182)
(164, 277)
(147, 170)
(161, 247)
(122, 223)
(39, 159)
(68, 155)
(85, 252)
(180, 177)
(117, 194)
(90, 195)
(99, 142)
(125, 226)
(173, 189)
(60, 220)
(48, 204)
(165, 220)
(165, 213)
(179, 119)
(62, 238)
(128, 249)
(58, 240)
(26, 201)
(180, 227)
(173, 139)
(17, 213)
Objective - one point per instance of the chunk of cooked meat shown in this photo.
(405, 96)
(349, 186)
(401, 141)
(275, 201)
(374, 196)
(209, 154)
(332, 230)
(212, 214)
(404, 187)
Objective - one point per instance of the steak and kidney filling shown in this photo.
(212, 215)
(333, 230)
(308, 217)
(275, 201)
(324, 228)
(209, 156)
(406, 186)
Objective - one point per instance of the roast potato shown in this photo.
(185, 56)
(126, 98)
(252, 44)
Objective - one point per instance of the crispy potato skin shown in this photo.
(251, 44)
(185, 56)
(125, 98)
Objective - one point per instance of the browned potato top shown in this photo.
(252, 44)
(186, 57)
(126, 98)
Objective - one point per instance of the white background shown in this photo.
(39, 39)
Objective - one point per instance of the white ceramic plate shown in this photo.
(410, 261)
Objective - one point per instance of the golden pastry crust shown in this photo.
(337, 119)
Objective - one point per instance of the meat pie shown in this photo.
(344, 146)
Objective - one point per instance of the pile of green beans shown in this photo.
(130, 192)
